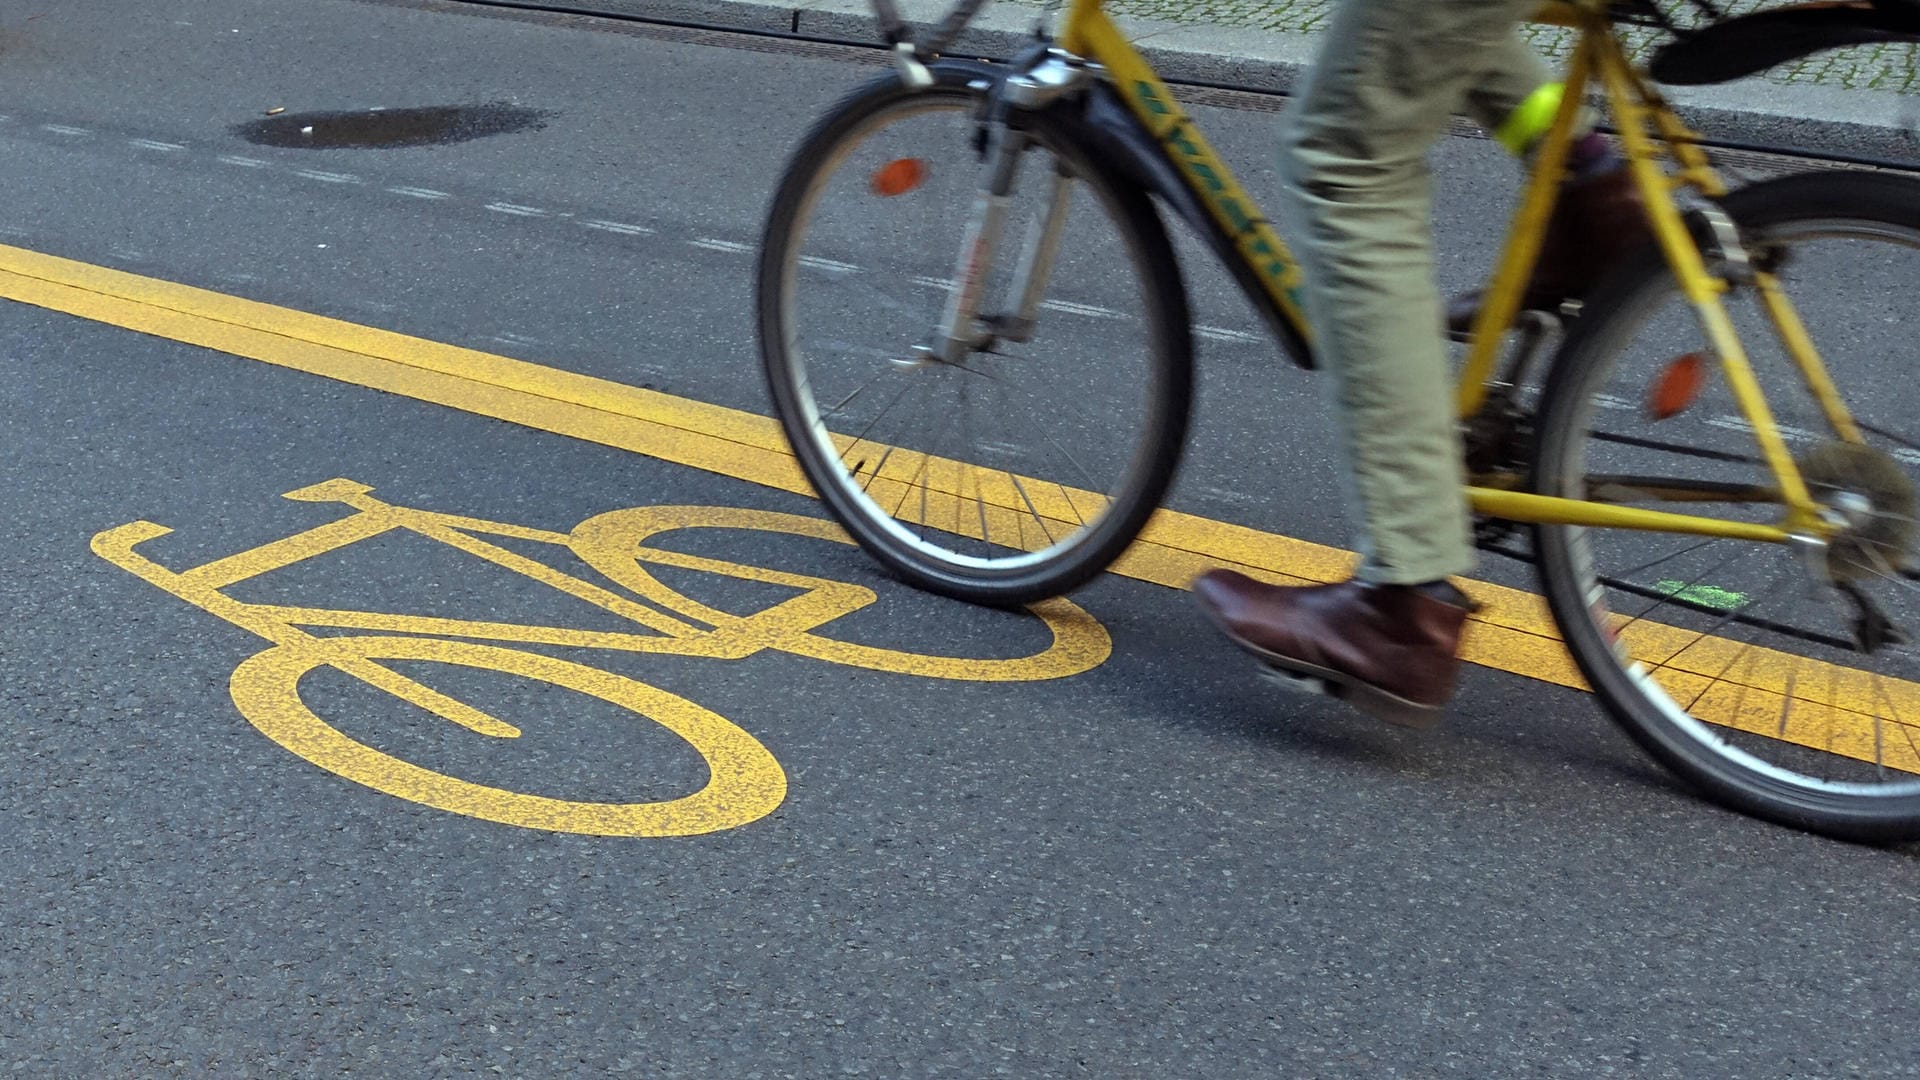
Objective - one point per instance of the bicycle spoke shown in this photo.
(1786, 701)
(1888, 574)
(1871, 429)
(980, 504)
(1670, 598)
(1066, 402)
(921, 521)
(926, 457)
(1028, 499)
(1746, 684)
(966, 460)
(1644, 567)
(926, 470)
(1092, 484)
(864, 432)
(1714, 629)
(874, 472)
(884, 371)
(1879, 724)
(1714, 569)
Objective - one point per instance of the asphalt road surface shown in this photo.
(933, 840)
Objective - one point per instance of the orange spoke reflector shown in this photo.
(1676, 387)
(899, 176)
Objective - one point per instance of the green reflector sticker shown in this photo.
(1711, 596)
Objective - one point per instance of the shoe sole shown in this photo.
(1302, 677)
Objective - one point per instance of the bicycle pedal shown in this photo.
(1297, 683)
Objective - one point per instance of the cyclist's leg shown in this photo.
(1514, 96)
(1390, 75)
(1597, 221)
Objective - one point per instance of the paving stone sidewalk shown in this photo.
(1883, 67)
(1861, 102)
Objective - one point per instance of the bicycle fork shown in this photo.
(962, 328)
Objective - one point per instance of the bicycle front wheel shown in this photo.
(1022, 468)
(1784, 680)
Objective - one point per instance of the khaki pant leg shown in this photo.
(1508, 76)
(1390, 75)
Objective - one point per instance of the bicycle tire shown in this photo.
(1026, 573)
(1731, 756)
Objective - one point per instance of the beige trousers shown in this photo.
(1389, 76)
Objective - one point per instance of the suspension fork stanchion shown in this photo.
(1050, 76)
(1030, 281)
(958, 334)
(1702, 289)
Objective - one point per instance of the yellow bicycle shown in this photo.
(977, 337)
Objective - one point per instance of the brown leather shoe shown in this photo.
(1386, 649)
(1596, 223)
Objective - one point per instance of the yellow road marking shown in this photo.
(1513, 631)
(744, 780)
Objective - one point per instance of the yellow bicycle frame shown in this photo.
(1635, 105)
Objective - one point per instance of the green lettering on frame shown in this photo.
(1151, 100)
(1209, 177)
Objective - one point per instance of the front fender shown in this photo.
(1123, 141)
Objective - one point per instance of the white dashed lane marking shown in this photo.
(818, 263)
(1070, 308)
(620, 227)
(1221, 333)
(1787, 431)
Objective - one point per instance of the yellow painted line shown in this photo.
(1513, 632)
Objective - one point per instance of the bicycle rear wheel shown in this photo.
(1024, 468)
(1783, 680)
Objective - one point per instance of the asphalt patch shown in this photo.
(381, 129)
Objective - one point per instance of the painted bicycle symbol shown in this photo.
(744, 783)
